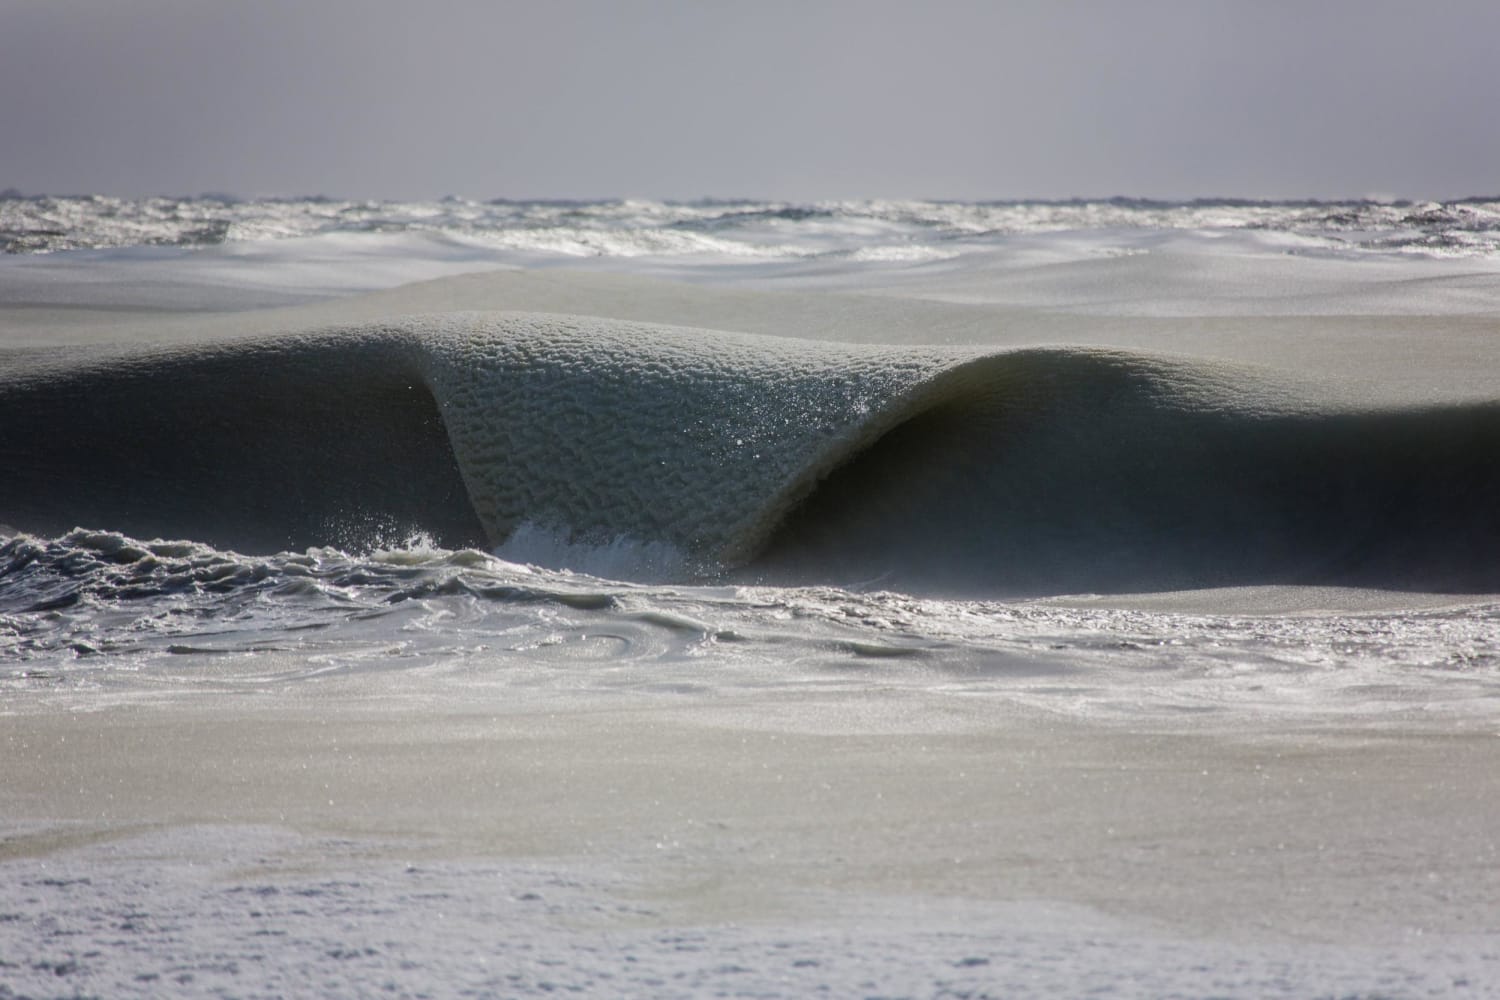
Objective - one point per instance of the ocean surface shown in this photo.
(1104, 457)
(562, 528)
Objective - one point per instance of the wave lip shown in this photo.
(1039, 470)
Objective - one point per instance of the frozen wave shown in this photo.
(940, 470)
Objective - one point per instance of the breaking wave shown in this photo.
(667, 452)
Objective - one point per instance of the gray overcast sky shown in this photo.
(808, 100)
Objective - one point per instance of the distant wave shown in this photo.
(950, 470)
(739, 228)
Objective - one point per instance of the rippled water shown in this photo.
(99, 611)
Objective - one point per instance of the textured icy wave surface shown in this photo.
(700, 440)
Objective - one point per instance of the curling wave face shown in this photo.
(939, 470)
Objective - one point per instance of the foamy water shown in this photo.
(106, 619)
(861, 230)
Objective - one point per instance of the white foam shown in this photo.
(619, 558)
(196, 906)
